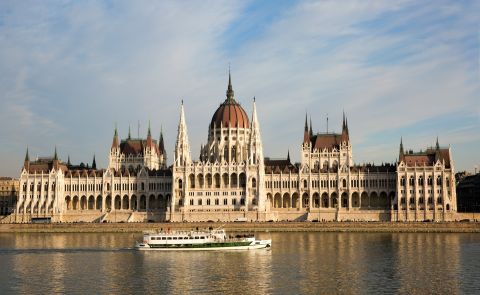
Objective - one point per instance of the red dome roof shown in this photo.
(230, 113)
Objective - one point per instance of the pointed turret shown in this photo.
(288, 156)
(55, 156)
(94, 163)
(256, 158)
(311, 127)
(68, 161)
(345, 136)
(401, 152)
(26, 162)
(306, 136)
(256, 147)
(129, 133)
(115, 143)
(437, 145)
(230, 93)
(149, 137)
(182, 147)
(161, 144)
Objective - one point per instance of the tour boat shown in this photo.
(215, 239)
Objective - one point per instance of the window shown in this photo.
(225, 202)
(234, 202)
(199, 202)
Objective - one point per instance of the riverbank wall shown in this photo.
(385, 227)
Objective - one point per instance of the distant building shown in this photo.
(232, 179)
(8, 194)
(468, 194)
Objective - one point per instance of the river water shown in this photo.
(298, 263)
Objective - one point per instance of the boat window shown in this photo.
(174, 238)
(180, 238)
(186, 238)
(196, 238)
(163, 238)
(203, 238)
(169, 238)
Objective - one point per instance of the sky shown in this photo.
(70, 71)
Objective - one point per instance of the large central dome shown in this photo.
(230, 112)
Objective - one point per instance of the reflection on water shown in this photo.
(299, 263)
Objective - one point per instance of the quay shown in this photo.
(366, 227)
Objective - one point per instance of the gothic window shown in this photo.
(439, 180)
(225, 202)
(191, 179)
(208, 202)
(344, 183)
(420, 180)
(234, 154)
(199, 202)
(180, 184)
(254, 183)
(225, 153)
(217, 202)
(402, 181)
(411, 181)
(430, 181)
(305, 184)
(325, 165)
(243, 180)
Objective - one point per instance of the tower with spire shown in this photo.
(182, 146)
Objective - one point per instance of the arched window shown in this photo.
(402, 181)
(344, 183)
(448, 207)
(305, 183)
(411, 181)
(429, 180)
(191, 179)
(439, 180)
(234, 154)
(225, 153)
(180, 184)
(420, 180)
(439, 200)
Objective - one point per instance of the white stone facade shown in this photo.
(233, 179)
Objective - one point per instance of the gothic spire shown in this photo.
(94, 163)
(256, 147)
(68, 161)
(161, 144)
(129, 133)
(182, 147)
(401, 153)
(55, 156)
(311, 128)
(115, 143)
(27, 156)
(288, 156)
(437, 146)
(230, 92)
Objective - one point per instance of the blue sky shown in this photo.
(71, 70)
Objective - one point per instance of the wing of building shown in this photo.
(232, 179)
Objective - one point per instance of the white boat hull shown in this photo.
(257, 245)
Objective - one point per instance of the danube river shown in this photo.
(298, 263)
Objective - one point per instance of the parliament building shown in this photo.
(232, 180)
